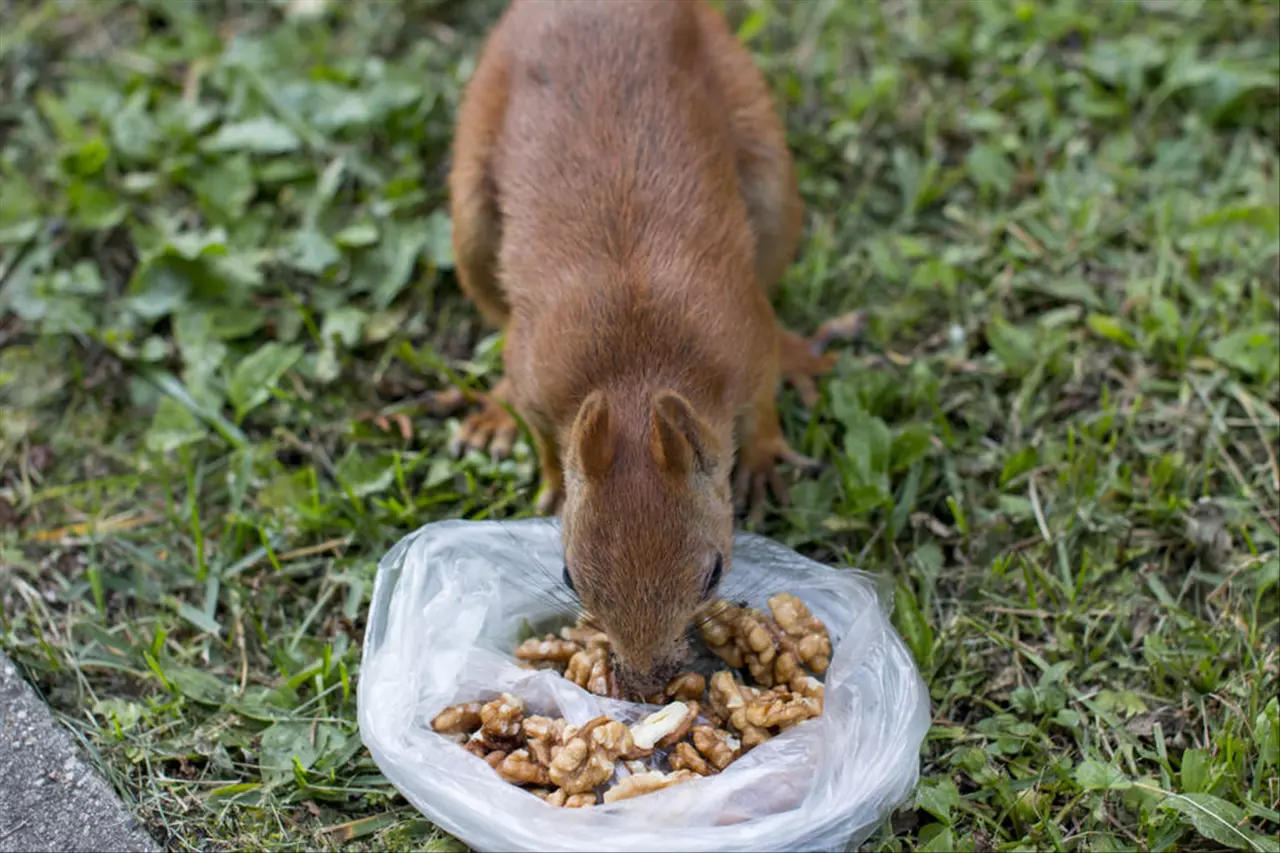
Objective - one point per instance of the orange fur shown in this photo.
(623, 203)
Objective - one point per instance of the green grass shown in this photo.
(224, 255)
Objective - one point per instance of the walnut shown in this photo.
(717, 746)
(482, 743)
(548, 650)
(745, 637)
(766, 649)
(812, 642)
(587, 758)
(570, 801)
(685, 757)
(720, 633)
(586, 637)
(493, 759)
(458, 719)
(501, 718)
(730, 699)
(592, 671)
(773, 649)
(646, 783)
(610, 735)
(544, 737)
(809, 687)
(685, 687)
(781, 710)
(666, 726)
(518, 769)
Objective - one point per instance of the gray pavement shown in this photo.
(51, 799)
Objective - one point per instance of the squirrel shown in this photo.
(624, 203)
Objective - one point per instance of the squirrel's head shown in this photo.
(647, 526)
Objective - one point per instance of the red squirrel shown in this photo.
(623, 205)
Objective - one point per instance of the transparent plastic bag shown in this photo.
(448, 607)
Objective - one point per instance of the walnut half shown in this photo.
(518, 768)
(587, 758)
(569, 801)
(811, 640)
(646, 783)
(548, 650)
(718, 747)
(730, 699)
(591, 670)
(458, 719)
(685, 757)
(663, 728)
(502, 717)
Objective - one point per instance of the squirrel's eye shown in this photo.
(713, 580)
(568, 581)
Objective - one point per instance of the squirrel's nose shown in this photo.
(637, 683)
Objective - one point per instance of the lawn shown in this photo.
(226, 292)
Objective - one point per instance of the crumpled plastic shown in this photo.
(451, 600)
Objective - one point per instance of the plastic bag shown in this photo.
(448, 607)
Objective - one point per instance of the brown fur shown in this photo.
(623, 203)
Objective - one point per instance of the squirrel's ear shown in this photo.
(594, 437)
(680, 441)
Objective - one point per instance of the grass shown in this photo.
(225, 287)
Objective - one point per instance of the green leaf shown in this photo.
(393, 262)
(936, 838)
(95, 207)
(341, 327)
(173, 426)
(910, 444)
(202, 355)
(913, 625)
(159, 287)
(167, 384)
(1015, 347)
(439, 239)
(225, 187)
(1214, 818)
(1094, 775)
(133, 133)
(357, 236)
(311, 252)
(868, 446)
(938, 798)
(256, 374)
(1110, 328)
(1266, 732)
(1194, 774)
(60, 118)
(289, 745)
(261, 135)
(197, 684)
(366, 475)
(990, 168)
(1255, 352)
(199, 619)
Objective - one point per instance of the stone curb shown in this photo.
(51, 798)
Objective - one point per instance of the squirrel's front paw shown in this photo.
(806, 359)
(492, 427)
(758, 474)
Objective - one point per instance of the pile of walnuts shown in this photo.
(578, 766)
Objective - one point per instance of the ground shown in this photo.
(226, 288)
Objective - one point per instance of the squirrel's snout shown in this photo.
(638, 679)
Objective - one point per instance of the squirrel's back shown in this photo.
(615, 149)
